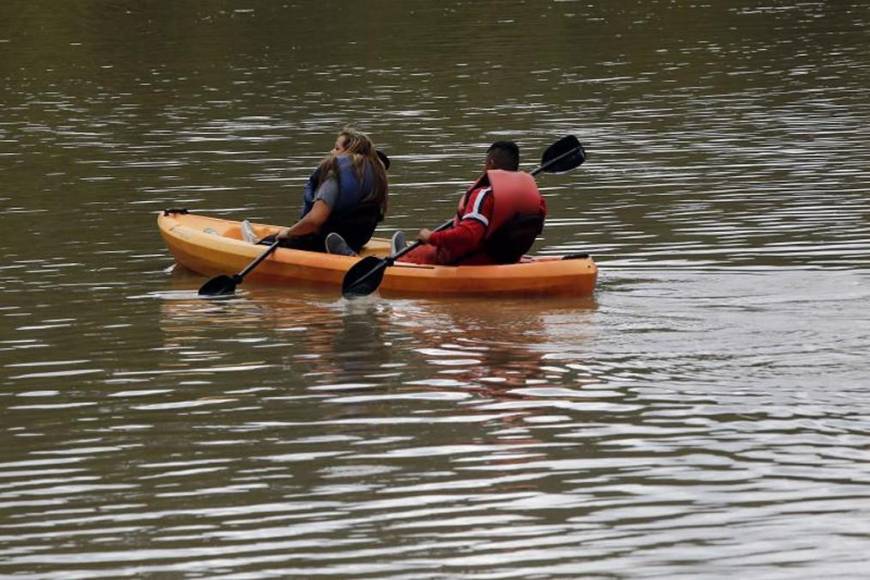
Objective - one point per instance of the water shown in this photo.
(705, 414)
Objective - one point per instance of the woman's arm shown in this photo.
(310, 222)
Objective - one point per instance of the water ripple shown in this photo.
(704, 415)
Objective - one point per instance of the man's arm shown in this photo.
(467, 236)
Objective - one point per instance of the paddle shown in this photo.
(366, 275)
(224, 285)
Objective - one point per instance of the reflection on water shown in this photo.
(704, 415)
(358, 341)
(285, 433)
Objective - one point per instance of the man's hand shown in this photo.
(282, 235)
(423, 235)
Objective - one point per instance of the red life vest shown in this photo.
(514, 192)
(517, 203)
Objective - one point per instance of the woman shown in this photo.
(346, 194)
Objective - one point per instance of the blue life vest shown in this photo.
(351, 191)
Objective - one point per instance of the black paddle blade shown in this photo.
(364, 277)
(222, 285)
(564, 155)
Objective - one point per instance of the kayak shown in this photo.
(210, 246)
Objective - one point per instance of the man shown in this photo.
(497, 220)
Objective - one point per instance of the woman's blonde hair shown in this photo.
(361, 150)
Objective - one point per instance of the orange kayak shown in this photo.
(211, 246)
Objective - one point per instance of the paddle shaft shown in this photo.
(256, 262)
(553, 161)
(418, 243)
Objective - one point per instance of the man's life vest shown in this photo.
(352, 217)
(517, 217)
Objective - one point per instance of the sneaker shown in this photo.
(335, 244)
(248, 233)
(397, 244)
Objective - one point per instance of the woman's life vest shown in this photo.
(517, 216)
(352, 217)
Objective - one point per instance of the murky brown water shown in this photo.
(706, 414)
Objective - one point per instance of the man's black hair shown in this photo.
(504, 155)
